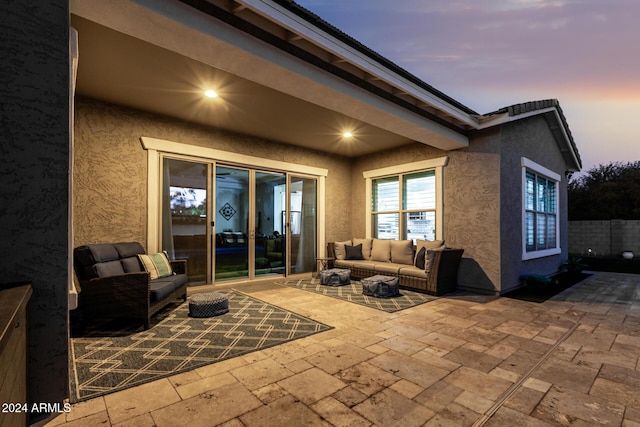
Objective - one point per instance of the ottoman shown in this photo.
(335, 277)
(380, 286)
(208, 304)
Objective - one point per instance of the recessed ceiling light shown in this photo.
(211, 93)
(347, 134)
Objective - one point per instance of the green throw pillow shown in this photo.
(157, 265)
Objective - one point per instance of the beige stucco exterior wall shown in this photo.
(110, 169)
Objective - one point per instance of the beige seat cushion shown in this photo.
(381, 250)
(339, 249)
(366, 247)
(387, 268)
(402, 252)
(414, 272)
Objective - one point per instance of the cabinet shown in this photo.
(13, 354)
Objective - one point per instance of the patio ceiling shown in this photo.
(128, 55)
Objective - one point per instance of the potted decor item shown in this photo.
(627, 254)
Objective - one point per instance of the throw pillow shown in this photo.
(381, 250)
(353, 252)
(157, 265)
(402, 252)
(428, 244)
(339, 249)
(420, 258)
(366, 246)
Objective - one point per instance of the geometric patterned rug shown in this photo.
(353, 293)
(106, 362)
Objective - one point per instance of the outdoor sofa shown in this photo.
(428, 266)
(120, 280)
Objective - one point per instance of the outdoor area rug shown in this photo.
(353, 293)
(177, 343)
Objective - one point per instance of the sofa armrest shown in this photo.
(331, 253)
(179, 266)
(443, 277)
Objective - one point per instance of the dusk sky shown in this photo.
(489, 54)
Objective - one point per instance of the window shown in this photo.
(404, 201)
(540, 211)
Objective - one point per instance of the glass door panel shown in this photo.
(184, 219)
(302, 224)
(270, 203)
(232, 223)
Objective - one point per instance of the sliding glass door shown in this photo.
(185, 215)
(232, 211)
(302, 224)
(234, 223)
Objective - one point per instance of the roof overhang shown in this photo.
(266, 44)
(552, 112)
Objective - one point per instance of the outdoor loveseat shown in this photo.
(120, 280)
(428, 266)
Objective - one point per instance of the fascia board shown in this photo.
(336, 47)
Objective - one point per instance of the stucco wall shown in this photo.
(34, 41)
(530, 138)
(110, 174)
(471, 200)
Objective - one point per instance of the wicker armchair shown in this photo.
(112, 283)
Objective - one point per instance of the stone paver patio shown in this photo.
(462, 360)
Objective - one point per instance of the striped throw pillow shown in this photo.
(157, 265)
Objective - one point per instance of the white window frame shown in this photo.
(436, 165)
(531, 166)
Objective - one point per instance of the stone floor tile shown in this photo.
(403, 345)
(361, 338)
(473, 359)
(566, 351)
(501, 350)
(270, 393)
(535, 384)
(439, 361)
(438, 396)
(507, 417)
(232, 423)
(631, 417)
(389, 408)
(367, 378)
(144, 420)
(261, 373)
(478, 382)
(97, 419)
(135, 401)
(566, 374)
(407, 388)
(410, 369)
(184, 378)
(564, 406)
(519, 329)
(86, 408)
(524, 400)
(531, 346)
(339, 358)
(477, 404)
(229, 401)
(504, 374)
(599, 340)
(520, 362)
(444, 342)
(453, 415)
(204, 384)
(350, 396)
(339, 414)
(284, 412)
(312, 385)
(595, 358)
(377, 349)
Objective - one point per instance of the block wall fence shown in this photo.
(604, 238)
